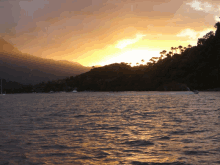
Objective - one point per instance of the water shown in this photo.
(110, 128)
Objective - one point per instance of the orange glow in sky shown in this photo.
(100, 32)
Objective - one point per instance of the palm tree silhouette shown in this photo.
(152, 59)
(164, 51)
(172, 48)
(180, 47)
(189, 46)
(161, 57)
(170, 53)
(175, 48)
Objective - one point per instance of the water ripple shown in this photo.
(139, 128)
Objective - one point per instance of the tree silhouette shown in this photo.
(149, 64)
(172, 48)
(176, 49)
(161, 57)
(168, 55)
(192, 68)
(208, 35)
(217, 25)
(153, 59)
(180, 47)
(200, 41)
(164, 51)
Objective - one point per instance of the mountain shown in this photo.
(194, 68)
(7, 47)
(28, 69)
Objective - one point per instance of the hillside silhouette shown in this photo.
(181, 69)
(27, 69)
(192, 68)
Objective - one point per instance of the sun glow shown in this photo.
(133, 51)
(124, 43)
(132, 57)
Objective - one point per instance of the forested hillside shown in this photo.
(179, 69)
(194, 67)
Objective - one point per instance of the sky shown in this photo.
(101, 32)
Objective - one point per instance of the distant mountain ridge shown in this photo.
(7, 47)
(29, 69)
(196, 67)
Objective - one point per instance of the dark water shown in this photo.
(137, 128)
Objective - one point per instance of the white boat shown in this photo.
(74, 91)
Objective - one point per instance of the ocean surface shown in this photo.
(137, 128)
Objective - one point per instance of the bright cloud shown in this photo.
(217, 18)
(197, 5)
(124, 43)
(188, 33)
(204, 32)
(206, 7)
(192, 34)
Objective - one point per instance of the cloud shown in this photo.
(31, 6)
(217, 18)
(124, 43)
(46, 27)
(27, 13)
(206, 7)
(192, 34)
(204, 32)
(188, 33)
(195, 5)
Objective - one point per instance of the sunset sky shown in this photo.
(100, 32)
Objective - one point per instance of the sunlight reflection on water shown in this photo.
(110, 128)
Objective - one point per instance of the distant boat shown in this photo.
(74, 91)
(195, 91)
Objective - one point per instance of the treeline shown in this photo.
(14, 87)
(181, 68)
